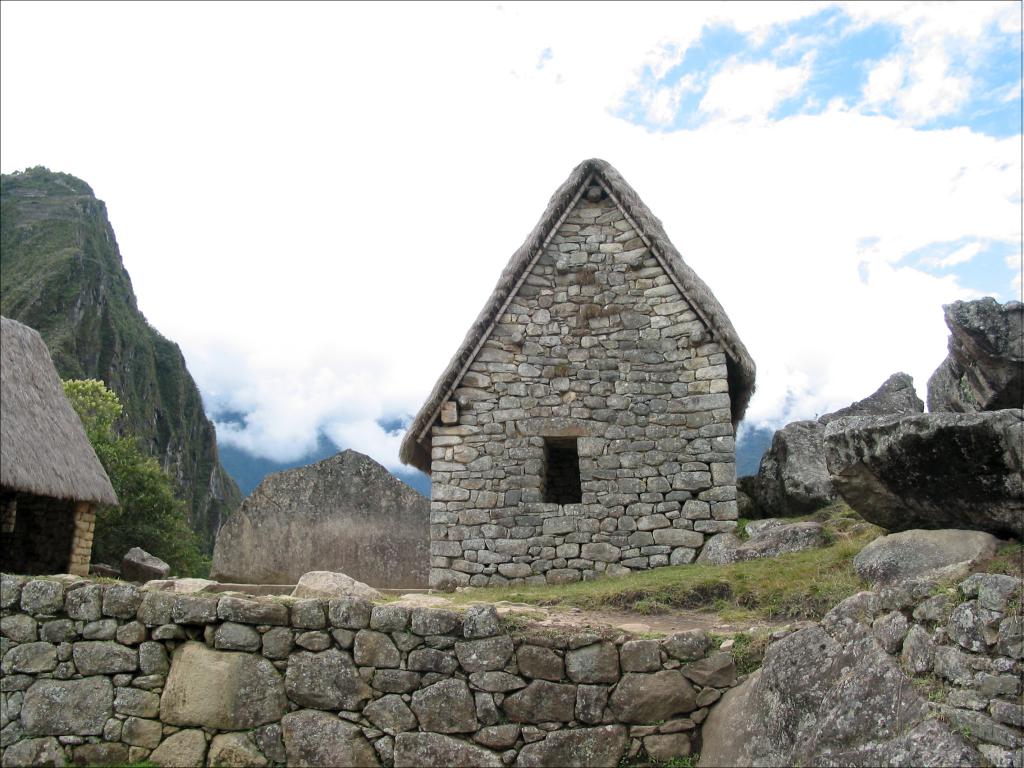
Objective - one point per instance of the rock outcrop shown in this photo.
(984, 370)
(936, 470)
(916, 553)
(346, 514)
(769, 540)
(793, 478)
(895, 677)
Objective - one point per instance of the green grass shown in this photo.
(800, 585)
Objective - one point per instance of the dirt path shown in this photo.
(633, 623)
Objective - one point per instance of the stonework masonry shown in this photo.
(597, 346)
(109, 674)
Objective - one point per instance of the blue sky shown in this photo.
(342, 208)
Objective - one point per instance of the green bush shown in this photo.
(149, 515)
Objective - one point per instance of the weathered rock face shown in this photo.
(936, 470)
(896, 395)
(320, 739)
(917, 553)
(793, 478)
(769, 541)
(329, 584)
(221, 690)
(346, 513)
(820, 701)
(984, 370)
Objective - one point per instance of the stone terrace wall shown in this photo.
(106, 674)
(599, 345)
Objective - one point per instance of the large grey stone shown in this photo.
(538, 662)
(30, 659)
(84, 603)
(109, 753)
(32, 753)
(327, 680)
(221, 689)
(577, 748)
(595, 663)
(717, 670)
(432, 750)
(770, 541)
(332, 584)
(819, 700)
(375, 649)
(235, 750)
(244, 611)
(184, 749)
(920, 553)
(67, 707)
(121, 601)
(984, 370)
(896, 395)
(541, 701)
(139, 566)
(104, 658)
(20, 628)
(390, 714)
(313, 738)
(936, 470)
(445, 707)
(346, 513)
(41, 596)
(484, 654)
(792, 478)
(646, 698)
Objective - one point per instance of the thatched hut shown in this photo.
(50, 477)
(586, 423)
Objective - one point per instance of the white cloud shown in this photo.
(317, 199)
(919, 83)
(752, 90)
(961, 255)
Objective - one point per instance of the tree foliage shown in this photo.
(149, 515)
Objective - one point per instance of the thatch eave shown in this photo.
(415, 448)
(43, 446)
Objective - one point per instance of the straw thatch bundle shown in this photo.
(415, 448)
(43, 446)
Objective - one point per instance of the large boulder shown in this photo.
(346, 513)
(769, 541)
(984, 370)
(328, 584)
(936, 470)
(138, 565)
(896, 395)
(313, 738)
(824, 698)
(220, 689)
(917, 553)
(793, 478)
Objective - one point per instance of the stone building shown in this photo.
(586, 424)
(50, 477)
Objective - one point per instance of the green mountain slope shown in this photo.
(61, 273)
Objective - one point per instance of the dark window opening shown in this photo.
(562, 471)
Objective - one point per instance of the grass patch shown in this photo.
(1009, 560)
(748, 650)
(799, 585)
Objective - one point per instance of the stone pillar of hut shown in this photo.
(81, 540)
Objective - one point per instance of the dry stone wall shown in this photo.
(109, 674)
(598, 347)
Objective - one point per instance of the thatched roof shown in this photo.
(415, 448)
(43, 446)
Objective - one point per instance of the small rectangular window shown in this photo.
(562, 471)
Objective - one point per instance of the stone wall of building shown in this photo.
(106, 674)
(599, 347)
